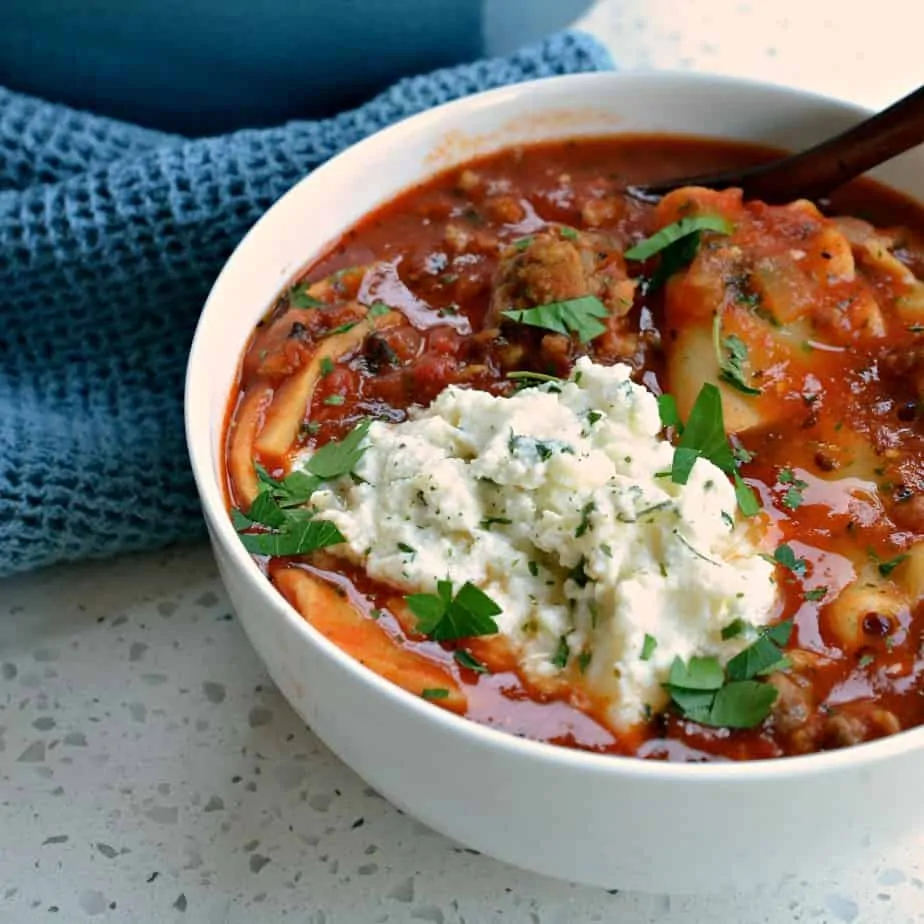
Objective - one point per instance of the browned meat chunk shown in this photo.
(795, 704)
(850, 724)
(557, 265)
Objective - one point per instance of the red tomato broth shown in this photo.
(440, 241)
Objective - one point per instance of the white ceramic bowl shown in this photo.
(608, 821)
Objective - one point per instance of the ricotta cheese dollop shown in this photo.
(555, 502)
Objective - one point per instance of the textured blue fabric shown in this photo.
(110, 236)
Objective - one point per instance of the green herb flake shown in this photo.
(703, 435)
(747, 499)
(298, 535)
(533, 568)
(338, 458)
(670, 416)
(521, 243)
(562, 653)
(299, 297)
(743, 455)
(467, 660)
(568, 233)
(583, 661)
(816, 594)
(327, 366)
(887, 567)
(340, 329)
(444, 617)
(584, 525)
(377, 309)
(488, 522)
(435, 693)
(648, 647)
(572, 316)
(407, 549)
(334, 400)
(792, 499)
(736, 628)
(785, 556)
(741, 704)
(674, 232)
(731, 354)
(699, 673)
(524, 375)
(757, 659)
(866, 660)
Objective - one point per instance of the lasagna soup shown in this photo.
(631, 477)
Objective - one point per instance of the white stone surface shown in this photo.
(149, 772)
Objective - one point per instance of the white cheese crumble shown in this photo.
(554, 501)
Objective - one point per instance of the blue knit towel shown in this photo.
(110, 236)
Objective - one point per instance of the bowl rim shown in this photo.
(855, 757)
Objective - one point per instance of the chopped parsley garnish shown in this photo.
(670, 416)
(792, 498)
(293, 491)
(544, 449)
(524, 375)
(735, 628)
(584, 525)
(533, 568)
(444, 617)
(785, 556)
(377, 309)
(488, 522)
(734, 697)
(407, 549)
(521, 243)
(340, 328)
(731, 354)
(677, 243)
(339, 457)
(743, 455)
(578, 574)
(469, 661)
(741, 704)
(887, 567)
(562, 653)
(297, 534)
(762, 657)
(573, 316)
(568, 233)
(674, 232)
(704, 436)
(816, 594)
(334, 400)
(295, 531)
(583, 661)
(327, 365)
(299, 297)
(866, 660)
(648, 647)
(435, 693)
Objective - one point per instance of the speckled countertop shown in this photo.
(150, 772)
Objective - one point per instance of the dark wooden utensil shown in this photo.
(819, 170)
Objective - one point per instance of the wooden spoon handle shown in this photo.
(817, 171)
